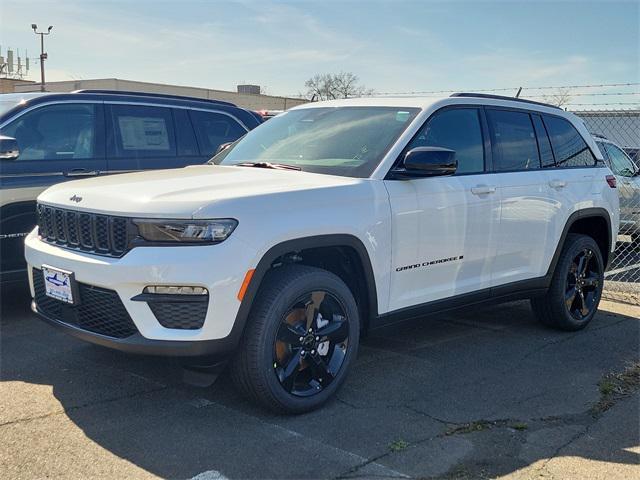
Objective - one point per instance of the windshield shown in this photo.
(346, 141)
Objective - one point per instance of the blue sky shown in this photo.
(393, 46)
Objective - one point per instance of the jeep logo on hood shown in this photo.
(76, 199)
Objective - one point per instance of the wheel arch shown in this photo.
(295, 246)
(588, 221)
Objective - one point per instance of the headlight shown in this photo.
(186, 231)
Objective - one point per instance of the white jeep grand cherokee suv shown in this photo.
(327, 221)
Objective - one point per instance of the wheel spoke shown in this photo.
(313, 307)
(290, 334)
(584, 310)
(320, 369)
(588, 254)
(591, 281)
(570, 297)
(337, 331)
(288, 374)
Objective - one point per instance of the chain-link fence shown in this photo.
(617, 134)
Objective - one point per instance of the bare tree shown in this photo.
(560, 98)
(329, 86)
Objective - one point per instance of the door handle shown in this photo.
(557, 183)
(483, 190)
(81, 172)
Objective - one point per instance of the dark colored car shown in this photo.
(47, 138)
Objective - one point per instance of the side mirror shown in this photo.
(222, 146)
(428, 162)
(8, 148)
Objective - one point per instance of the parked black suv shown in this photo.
(47, 138)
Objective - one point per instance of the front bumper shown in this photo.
(218, 349)
(219, 268)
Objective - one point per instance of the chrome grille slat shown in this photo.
(88, 232)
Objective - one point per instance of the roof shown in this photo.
(428, 102)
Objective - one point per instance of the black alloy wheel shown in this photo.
(573, 297)
(311, 344)
(583, 285)
(300, 340)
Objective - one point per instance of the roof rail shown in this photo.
(155, 95)
(598, 135)
(502, 97)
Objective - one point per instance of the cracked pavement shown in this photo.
(483, 392)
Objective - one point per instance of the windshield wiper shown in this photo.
(275, 166)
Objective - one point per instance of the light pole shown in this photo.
(43, 56)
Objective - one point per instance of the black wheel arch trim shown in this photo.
(593, 212)
(296, 245)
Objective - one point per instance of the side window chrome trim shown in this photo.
(181, 107)
(115, 102)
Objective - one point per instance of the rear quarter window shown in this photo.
(569, 147)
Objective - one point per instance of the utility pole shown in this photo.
(43, 55)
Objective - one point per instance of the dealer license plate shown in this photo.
(58, 284)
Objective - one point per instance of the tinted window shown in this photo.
(185, 136)
(513, 141)
(214, 129)
(141, 131)
(569, 147)
(457, 129)
(620, 163)
(544, 146)
(56, 132)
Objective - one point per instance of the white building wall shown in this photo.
(253, 102)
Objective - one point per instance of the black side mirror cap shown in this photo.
(9, 149)
(427, 162)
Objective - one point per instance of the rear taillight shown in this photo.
(611, 180)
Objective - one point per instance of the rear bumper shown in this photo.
(137, 344)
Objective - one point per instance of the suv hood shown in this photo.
(181, 193)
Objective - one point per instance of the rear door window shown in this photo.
(142, 131)
(513, 141)
(569, 147)
(185, 136)
(213, 129)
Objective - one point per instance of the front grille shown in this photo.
(88, 232)
(180, 315)
(100, 310)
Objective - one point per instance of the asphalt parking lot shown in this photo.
(477, 393)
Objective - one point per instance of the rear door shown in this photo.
(140, 137)
(527, 209)
(57, 142)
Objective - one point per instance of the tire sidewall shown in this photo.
(319, 280)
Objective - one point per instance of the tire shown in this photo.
(572, 299)
(272, 366)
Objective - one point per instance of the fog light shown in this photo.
(175, 290)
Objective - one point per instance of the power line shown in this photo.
(479, 90)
